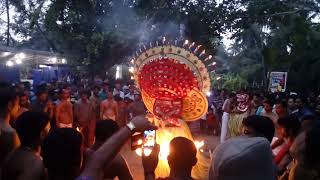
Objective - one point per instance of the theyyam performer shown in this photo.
(173, 82)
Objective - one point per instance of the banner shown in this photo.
(278, 81)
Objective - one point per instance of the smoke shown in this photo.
(128, 24)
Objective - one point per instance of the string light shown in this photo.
(9, 63)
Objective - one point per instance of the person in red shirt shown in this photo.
(289, 128)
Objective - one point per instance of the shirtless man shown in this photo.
(31, 127)
(137, 108)
(83, 115)
(64, 111)
(9, 106)
(109, 108)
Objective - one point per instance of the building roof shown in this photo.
(29, 56)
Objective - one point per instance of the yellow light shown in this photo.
(20, 56)
(18, 61)
(146, 152)
(9, 63)
(53, 60)
(78, 129)
(199, 144)
(131, 69)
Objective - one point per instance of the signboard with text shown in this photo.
(278, 81)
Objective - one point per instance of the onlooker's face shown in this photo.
(65, 94)
(279, 109)
(137, 97)
(267, 107)
(299, 103)
(84, 97)
(24, 101)
(43, 97)
(110, 95)
(282, 132)
(291, 104)
(118, 86)
(96, 91)
(105, 88)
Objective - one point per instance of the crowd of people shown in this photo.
(62, 131)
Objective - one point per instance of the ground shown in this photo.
(134, 161)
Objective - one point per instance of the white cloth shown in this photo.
(224, 126)
(130, 96)
(62, 125)
(224, 123)
(115, 92)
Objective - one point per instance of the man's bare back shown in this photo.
(64, 113)
(23, 164)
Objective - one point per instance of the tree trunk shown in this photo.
(8, 22)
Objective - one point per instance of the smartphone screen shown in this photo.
(149, 138)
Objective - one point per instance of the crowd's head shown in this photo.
(32, 128)
(180, 148)
(289, 126)
(259, 126)
(61, 152)
(9, 104)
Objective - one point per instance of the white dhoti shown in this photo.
(224, 126)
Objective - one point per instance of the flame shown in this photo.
(199, 144)
(146, 152)
(164, 149)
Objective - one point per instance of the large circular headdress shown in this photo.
(173, 80)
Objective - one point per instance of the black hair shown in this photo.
(29, 126)
(7, 94)
(263, 126)
(291, 124)
(61, 151)
(85, 92)
(117, 98)
(303, 99)
(105, 129)
(313, 147)
(268, 101)
(283, 103)
(22, 94)
(232, 95)
(183, 152)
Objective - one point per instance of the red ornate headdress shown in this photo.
(173, 81)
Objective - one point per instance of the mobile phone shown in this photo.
(149, 139)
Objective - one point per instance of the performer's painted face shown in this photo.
(168, 108)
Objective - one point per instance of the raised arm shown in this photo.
(112, 146)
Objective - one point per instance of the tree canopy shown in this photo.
(266, 35)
